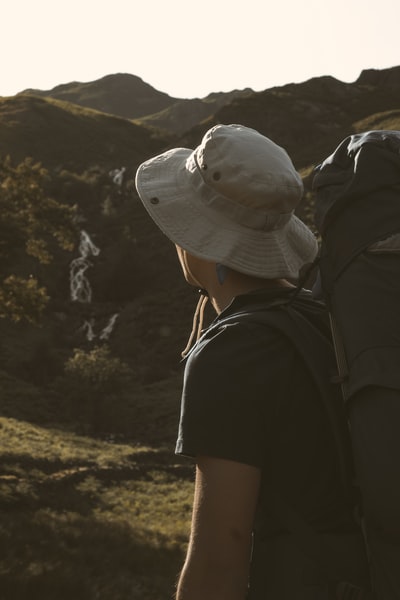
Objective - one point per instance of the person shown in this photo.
(251, 416)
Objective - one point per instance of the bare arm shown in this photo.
(217, 561)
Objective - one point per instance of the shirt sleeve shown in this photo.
(231, 384)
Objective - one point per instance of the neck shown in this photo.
(236, 284)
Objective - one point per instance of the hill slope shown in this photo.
(309, 119)
(60, 134)
(130, 97)
(185, 114)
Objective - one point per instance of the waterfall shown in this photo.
(80, 287)
(81, 290)
(117, 176)
(107, 331)
(88, 327)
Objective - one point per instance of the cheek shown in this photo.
(191, 279)
(182, 260)
(189, 267)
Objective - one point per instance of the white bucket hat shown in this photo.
(230, 201)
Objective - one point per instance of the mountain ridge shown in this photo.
(306, 118)
(129, 97)
(120, 94)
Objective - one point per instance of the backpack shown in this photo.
(357, 214)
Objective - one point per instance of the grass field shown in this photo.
(85, 518)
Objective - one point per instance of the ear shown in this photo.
(222, 272)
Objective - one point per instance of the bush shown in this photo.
(94, 386)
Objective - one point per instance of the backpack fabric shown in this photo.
(357, 213)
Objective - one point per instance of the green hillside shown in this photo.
(63, 135)
(88, 518)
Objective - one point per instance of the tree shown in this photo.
(35, 224)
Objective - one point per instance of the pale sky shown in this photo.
(189, 49)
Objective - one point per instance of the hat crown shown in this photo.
(246, 167)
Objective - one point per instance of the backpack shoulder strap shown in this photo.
(317, 353)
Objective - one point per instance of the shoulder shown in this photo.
(237, 346)
(235, 331)
(232, 381)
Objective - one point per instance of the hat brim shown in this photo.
(164, 186)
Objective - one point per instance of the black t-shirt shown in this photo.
(248, 397)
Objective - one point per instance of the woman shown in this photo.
(268, 496)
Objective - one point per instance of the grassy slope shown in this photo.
(86, 518)
(61, 134)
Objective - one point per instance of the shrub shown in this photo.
(95, 385)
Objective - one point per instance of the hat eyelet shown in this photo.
(204, 167)
(154, 200)
(216, 176)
